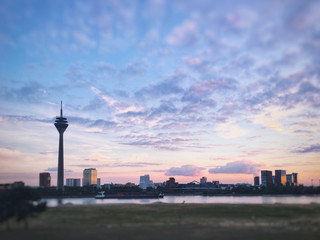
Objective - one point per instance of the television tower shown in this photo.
(61, 125)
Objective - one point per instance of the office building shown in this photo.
(289, 181)
(295, 179)
(89, 177)
(73, 182)
(145, 182)
(44, 180)
(280, 177)
(266, 178)
(256, 181)
(273, 180)
(61, 125)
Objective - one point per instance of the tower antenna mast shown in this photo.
(61, 112)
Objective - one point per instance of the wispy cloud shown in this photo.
(311, 149)
(230, 130)
(161, 89)
(83, 122)
(135, 68)
(186, 34)
(31, 92)
(48, 153)
(116, 165)
(166, 142)
(201, 90)
(54, 169)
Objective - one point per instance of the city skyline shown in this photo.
(170, 89)
(89, 179)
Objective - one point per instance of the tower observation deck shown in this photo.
(61, 124)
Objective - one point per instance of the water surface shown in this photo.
(274, 199)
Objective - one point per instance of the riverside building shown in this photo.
(295, 179)
(256, 181)
(44, 179)
(203, 180)
(73, 182)
(266, 178)
(89, 177)
(289, 180)
(280, 177)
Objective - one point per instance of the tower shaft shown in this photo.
(60, 163)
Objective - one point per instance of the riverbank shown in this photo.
(188, 195)
(84, 192)
(179, 221)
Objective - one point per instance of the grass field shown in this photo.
(172, 221)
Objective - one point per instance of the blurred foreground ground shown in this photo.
(171, 221)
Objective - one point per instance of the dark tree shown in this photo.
(20, 203)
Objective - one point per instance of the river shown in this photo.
(272, 199)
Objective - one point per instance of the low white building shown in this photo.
(145, 182)
(73, 182)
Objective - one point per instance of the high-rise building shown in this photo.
(266, 178)
(44, 179)
(256, 181)
(73, 182)
(145, 182)
(99, 182)
(89, 177)
(295, 179)
(203, 180)
(61, 125)
(280, 177)
(289, 181)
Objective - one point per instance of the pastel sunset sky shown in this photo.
(184, 89)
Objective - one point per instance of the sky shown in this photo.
(183, 89)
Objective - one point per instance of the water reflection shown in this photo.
(53, 202)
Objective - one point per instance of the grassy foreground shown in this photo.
(172, 221)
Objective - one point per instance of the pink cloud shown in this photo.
(238, 167)
(185, 170)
